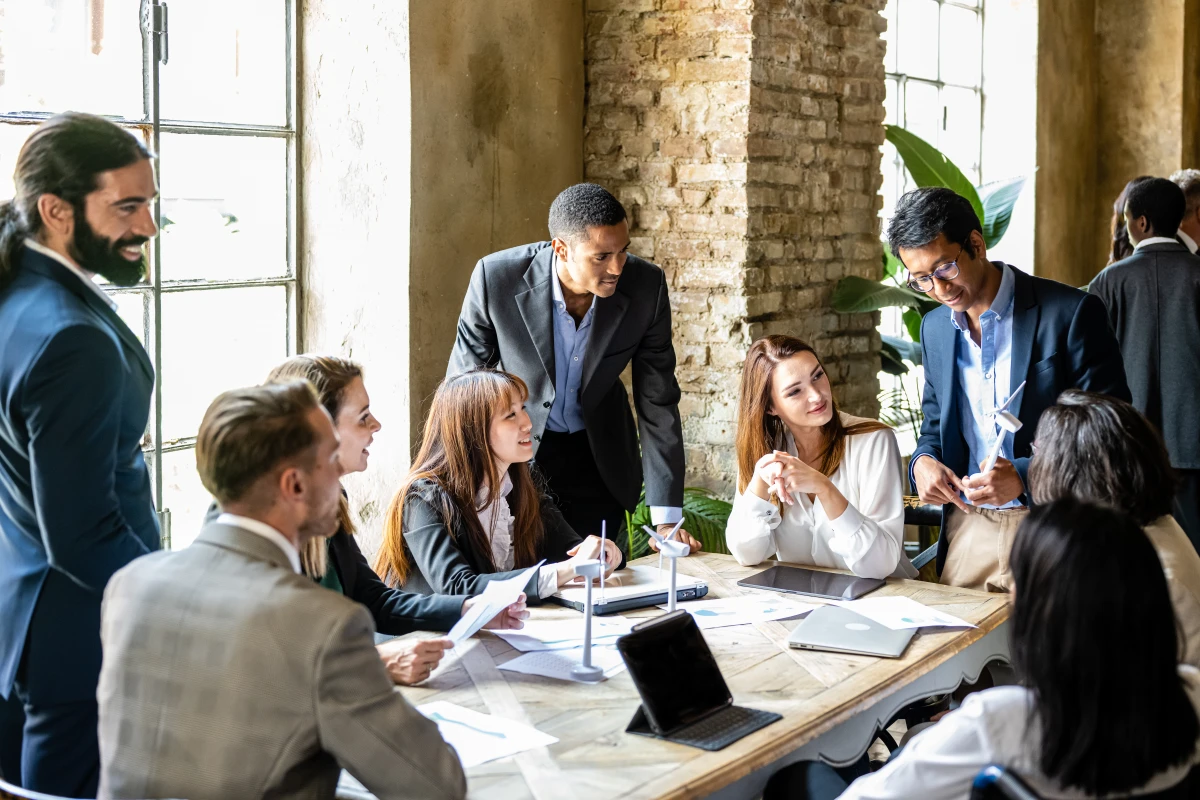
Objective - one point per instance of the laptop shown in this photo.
(684, 696)
(812, 582)
(839, 630)
(632, 587)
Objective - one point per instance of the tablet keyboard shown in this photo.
(723, 728)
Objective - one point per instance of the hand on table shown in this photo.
(681, 536)
(587, 550)
(1000, 486)
(511, 618)
(937, 484)
(410, 661)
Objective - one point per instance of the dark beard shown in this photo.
(102, 256)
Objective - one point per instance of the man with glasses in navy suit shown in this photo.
(75, 388)
(998, 328)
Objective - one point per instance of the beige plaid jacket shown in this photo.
(227, 675)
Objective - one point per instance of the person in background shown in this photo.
(567, 317)
(228, 673)
(815, 485)
(338, 564)
(1153, 303)
(470, 510)
(999, 331)
(1100, 449)
(1189, 228)
(1103, 708)
(75, 389)
(1121, 246)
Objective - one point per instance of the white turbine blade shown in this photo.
(1012, 396)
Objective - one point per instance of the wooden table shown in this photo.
(831, 704)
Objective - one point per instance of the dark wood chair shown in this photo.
(929, 519)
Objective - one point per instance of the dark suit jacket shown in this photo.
(445, 562)
(75, 388)
(507, 320)
(1153, 301)
(1061, 340)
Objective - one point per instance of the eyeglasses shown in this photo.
(946, 272)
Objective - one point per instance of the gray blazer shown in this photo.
(1153, 301)
(507, 320)
(225, 674)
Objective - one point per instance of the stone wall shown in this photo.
(743, 138)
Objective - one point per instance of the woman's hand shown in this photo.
(587, 550)
(410, 661)
(511, 618)
(784, 474)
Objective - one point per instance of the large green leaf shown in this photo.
(890, 359)
(855, 295)
(909, 351)
(891, 265)
(704, 516)
(928, 167)
(998, 199)
(912, 323)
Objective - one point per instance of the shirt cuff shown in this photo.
(547, 581)
(848, 523)
(912, 481)
(755, 505)
(665, 515)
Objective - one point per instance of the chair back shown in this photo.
(997, 783)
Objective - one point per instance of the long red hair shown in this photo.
(456, 455)
(760, 432)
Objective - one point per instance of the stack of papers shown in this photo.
(497, 596)
(565, 634)
(479, 738)
(742, 610)
(900, 613)
(558, 663)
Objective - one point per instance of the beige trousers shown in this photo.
(978, 545)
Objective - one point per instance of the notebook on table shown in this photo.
(839, 630)
(684, 696)
(632, 587)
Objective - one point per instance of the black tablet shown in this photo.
(811, 582)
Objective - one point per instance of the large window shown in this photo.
(211, 88)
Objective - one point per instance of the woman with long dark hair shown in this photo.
(470, 510)
(1095, 447)
(1103, 708)
(815, 486)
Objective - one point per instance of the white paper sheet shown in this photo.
(497, 596)
(565, 634)
(558, 663)
(479, 738)
(900, 613)
(743, 610)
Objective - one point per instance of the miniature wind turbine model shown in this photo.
(670, 535)
(673, 551)
(587, 672)
(1007, 422)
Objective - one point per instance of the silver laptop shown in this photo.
(838, 630)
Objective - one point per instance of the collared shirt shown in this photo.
(267, 532)
(38, 247)
(1188, 241)
(984, 376)
(1156, 240)
(496, 519)
(570, 345)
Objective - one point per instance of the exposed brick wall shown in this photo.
(743, 136)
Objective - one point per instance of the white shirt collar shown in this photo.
(556, 287)
(267, 532)
(1188, 241)
(1155, 240)
(482, 500)
(38, 247)
(1004, 301)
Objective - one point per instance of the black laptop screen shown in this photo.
(674, 671)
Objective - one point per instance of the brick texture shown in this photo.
(743, 137)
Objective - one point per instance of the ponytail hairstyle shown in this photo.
(759, 432)
(62, 157)
(330, 376)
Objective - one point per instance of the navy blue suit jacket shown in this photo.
(75, 501)
(1061, 340)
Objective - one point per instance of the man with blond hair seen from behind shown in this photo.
(226, 672)
(1189, 228)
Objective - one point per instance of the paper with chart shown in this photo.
(479, 738)
(497, 596)
(558, 663)
(742, 610)
(900, 613)
(565, 634)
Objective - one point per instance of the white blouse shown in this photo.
(991, 727)
(867, 538)
(496, 519)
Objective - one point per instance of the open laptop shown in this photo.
(684, 696)
(839, 630)
(632, 587)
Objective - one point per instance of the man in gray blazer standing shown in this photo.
(227, 673)
(1153, 301)
(567, 316)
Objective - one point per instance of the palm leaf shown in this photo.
(998, 199)
(704, 516)
(929, 167)
(890, 359)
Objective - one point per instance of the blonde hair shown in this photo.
(329, 376)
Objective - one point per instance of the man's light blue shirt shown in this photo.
(570, 345)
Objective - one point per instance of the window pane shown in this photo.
(131, 308)
(224, 207)
(890, 98)
(82, 55)
(214, 340)
(922, 110)
(960, 141)
(889, 37)
(892, 185)
(228, 62)
(918, 25)
(961, 45)
(184, 495)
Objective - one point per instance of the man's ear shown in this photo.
(560, 249)
(57, 214)
(291, 484)
(978, 245)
